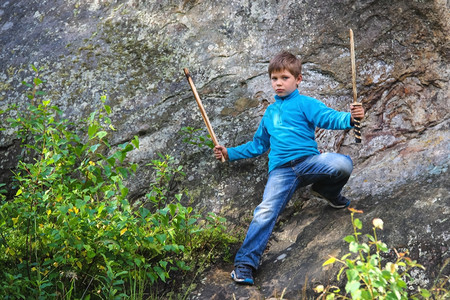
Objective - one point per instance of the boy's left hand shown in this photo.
(357, 111)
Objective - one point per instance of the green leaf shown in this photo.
(425, 293)
(94, 148)
(172, 208)
(380, 283)
(100, 209)
(108, 109)
(210, 144)
(109, 194)
(192, 221)
(386, 274)
(352, 275)
(161, 238)
(92, 116)
(135, 141)
(90, 254)
(171, 248)
(26, 84)
(124, 191)
(383, 247)
(182, 265)
(358, 223)
(37, 81)
(340, 273)
(92, 130)
(101, 134)
(111, 161)
(118, 282)
(401, 283)
(151, 276)
(137, 261)
(128, 148)
(352, 286)
(160, 273)
(144, 212)
(345, 256)
(349, 238)
(43, 286)
(163, 264)
(56, 157)
(331, 260)
(371, 238)
(353, 247)
(366, 295)
(364, 247)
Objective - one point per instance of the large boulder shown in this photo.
(135, 52)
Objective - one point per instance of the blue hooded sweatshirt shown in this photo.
(288, 129)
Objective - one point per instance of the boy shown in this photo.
(288, 129)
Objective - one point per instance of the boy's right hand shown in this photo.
(220, 151)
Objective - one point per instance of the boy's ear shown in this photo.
(299, 78)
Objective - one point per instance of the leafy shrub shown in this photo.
(70, 230)
(367, 278)
(190, 136)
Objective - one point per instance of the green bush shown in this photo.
(190, 136)
(70, 231)
(368, 278)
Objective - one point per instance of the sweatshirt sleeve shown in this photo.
(259, 145)
(325, 117)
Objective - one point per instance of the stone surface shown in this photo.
(307, 235)
(135, 52)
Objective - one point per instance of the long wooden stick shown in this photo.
(355, 96)
(202, 109)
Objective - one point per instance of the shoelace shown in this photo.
(244, 271)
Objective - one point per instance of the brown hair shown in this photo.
(286, 61)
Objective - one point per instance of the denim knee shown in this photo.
(344, 165)
(333, 163)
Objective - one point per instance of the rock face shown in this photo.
(135, 52)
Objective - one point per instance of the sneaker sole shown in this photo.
(247, 281)
(316, 194)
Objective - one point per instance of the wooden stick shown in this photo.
(202, 109)
(357, 121)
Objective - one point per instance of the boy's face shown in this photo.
(284, 83)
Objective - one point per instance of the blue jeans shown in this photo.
(328, 173)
